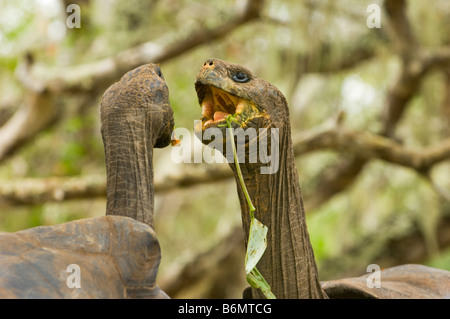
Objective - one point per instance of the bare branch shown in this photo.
(416, 62)
(363, 146)
(399, 95)
(192, 174)
(39, 111)
(103, 72)
(438, 58)
(320, 60)
(334, 180)
(40, 190)
(402, 34)
(36, 114)
(372, 146)
(37, 191)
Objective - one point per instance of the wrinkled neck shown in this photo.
(129, 167)
(288, 263)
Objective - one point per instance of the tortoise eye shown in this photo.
(159, 73)
(240, 77)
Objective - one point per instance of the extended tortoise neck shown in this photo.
(136, 116)
(288, 264)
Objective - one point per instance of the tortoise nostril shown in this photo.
(208, 64)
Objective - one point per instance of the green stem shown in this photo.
(263, 285)
(254, 277)
(238, 168)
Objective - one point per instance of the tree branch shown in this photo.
(364, 146)
(38, 111)
(372, 146)
(416, 62)
(402, 35)
(103, 72)
(33, 191)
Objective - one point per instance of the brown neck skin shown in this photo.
(288, 263)
(128, 152)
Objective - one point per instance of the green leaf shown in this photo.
(257, 281)
(257, 239)
(257, 243)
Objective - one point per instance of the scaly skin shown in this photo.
(288, 263)
(136, 116)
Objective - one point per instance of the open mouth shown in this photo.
(217, 104)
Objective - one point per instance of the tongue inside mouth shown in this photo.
(217, 105)
(218, 116)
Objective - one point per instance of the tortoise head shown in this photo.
(141, 92)
(225, 88)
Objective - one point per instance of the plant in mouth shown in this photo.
(257, 240)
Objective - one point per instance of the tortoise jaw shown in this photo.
(217, 104)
